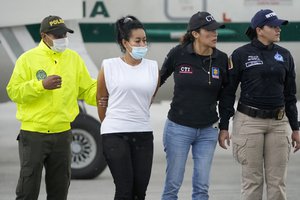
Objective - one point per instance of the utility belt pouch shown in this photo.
(280, 114)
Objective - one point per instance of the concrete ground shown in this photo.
(225, 175)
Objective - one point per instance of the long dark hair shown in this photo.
(124, 27)
(188, 37)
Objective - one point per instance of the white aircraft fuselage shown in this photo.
(165, 22)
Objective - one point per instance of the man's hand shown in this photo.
(52, 82)
(103, 102)
(224, 136)
(296, 140)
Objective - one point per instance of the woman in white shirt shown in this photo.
(130, 82)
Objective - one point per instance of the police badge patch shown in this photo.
(278, 57)
(41, 75)
(215, 72)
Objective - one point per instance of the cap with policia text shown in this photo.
(262, 18)
(54, 25)
(203, 20)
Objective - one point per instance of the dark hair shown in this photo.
(251, 33)
(124, 27)
(188, 37)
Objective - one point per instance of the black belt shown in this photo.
(277, 113)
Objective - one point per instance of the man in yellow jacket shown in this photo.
(46, 83)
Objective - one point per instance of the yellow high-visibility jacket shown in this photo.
(49, 111)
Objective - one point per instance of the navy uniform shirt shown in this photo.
(267, 77)
(196, 91)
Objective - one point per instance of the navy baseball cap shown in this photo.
(262, 18)
(266, 17)
(203, 20)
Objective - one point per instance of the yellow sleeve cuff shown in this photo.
(38, 86)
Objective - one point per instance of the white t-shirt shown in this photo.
(130, 91)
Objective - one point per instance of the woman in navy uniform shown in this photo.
(266, 113)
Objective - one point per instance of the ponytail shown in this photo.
(124, 27)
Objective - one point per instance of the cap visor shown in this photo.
(60, 31)
(213, 26)
(277, 22)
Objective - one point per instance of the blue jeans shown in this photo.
(177, 142)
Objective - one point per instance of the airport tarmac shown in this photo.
(225, 174)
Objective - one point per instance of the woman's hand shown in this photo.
(224, 136)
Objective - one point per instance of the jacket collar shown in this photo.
(190, 50)
(45, 48)
(255, 42)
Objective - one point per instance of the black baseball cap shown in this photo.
(55, 25)
(203, 20)
(262, 18)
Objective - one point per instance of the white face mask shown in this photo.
(60, 45)
(138, 52)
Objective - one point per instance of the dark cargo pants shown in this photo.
(38, 150)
